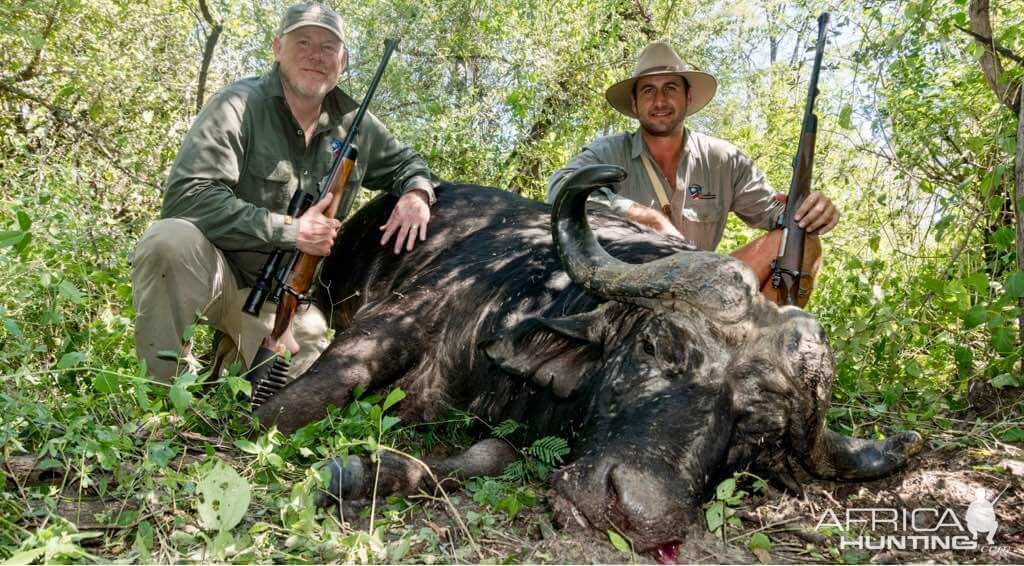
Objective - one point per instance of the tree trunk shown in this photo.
(981, 25)
(1010, 95)
(1018, 181)
(211, 44)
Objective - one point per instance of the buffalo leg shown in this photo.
(356, 477)
(840, 457)
(368, 354)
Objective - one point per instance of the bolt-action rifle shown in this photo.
(291, 279)
(786, 268)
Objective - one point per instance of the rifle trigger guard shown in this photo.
(778, 271)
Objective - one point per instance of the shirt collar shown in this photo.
(637, 143)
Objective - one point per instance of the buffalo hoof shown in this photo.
(906, 443)
(863, 460)
(348, 481)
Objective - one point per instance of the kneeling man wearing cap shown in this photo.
(225, 202)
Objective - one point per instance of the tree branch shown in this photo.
(986, 40)
(30, 71)
(97, 139)
(990, 65)
(211, 43)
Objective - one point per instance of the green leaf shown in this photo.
(976, 316)
(619, 542)
(977, 281)
(68, 290)
(725, 489)
(398, 549)
(71, 359)
(387, 422)
(395, 396)
(997, 174)
(22, 244)
(715, 516)
(161, 453)
(144, 539)
(760, 541)
(28, 556)
(11, 237)
(1002, 341)
(106, 382)
(964, 358)
(508, 505)
(13, 328)
(275, 461)
(912, 368)
(24, 222)
(1004, 380)
(223, 498)
(1014, 434)
(238, 385)
(506, 428)
(247, 446)
(845, 117)
(1015, 285)
(1004, 238)
(180, 396)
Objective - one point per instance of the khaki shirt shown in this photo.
(713, 178)
(245, 155)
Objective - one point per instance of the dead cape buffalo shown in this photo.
(664, 367)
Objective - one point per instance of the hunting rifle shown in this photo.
(786, 267)
(292, 279)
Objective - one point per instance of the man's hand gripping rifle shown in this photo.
(786, 268)
(292, 280)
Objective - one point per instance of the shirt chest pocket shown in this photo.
(703, 210)
(269, 183)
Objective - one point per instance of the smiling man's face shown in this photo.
(660, 103)
(311, 60)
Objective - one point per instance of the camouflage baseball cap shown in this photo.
(311, 14)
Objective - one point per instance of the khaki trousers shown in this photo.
(178, 276)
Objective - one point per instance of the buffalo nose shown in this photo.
(637, 496)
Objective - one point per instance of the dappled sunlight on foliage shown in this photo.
(920, 294)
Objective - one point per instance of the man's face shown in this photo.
(660, 104)
(311, 60)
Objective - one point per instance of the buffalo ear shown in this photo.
(552, 352)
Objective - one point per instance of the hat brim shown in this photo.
(702, 89)
(315, 24)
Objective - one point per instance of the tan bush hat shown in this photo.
(311, 14)
(658, 58)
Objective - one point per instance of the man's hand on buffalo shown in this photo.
(653, 219)
(316, 231)
(408, 219)
(817, 215)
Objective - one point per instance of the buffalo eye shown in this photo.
(648, 348)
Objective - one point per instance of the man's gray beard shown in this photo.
(319, 93)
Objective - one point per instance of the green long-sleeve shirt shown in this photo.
(245, 155)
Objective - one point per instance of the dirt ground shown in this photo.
(944, 479)
(936, 489)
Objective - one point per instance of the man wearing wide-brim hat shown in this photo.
(683, 183)
(225, 205)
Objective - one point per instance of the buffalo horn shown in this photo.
(717, 284)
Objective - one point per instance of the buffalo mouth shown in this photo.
(619, 498)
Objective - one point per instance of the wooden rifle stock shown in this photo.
(786, 269)
(301, 278)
